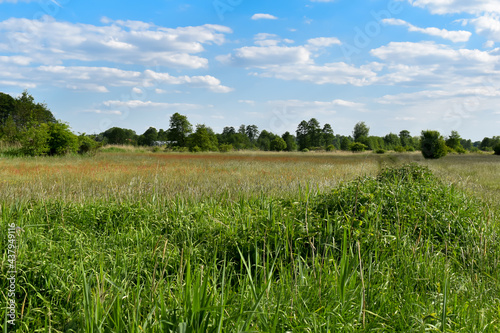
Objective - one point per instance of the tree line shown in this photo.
(33, 126)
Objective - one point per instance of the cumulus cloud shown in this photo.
(264, 17)
(99, 79)
(126, 42)
(458, 6)
(487, 26)
(266, 56)
(454, 36)
(135, 104)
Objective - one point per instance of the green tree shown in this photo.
(291, 144)
(252, 132)
(392, 141)
(179, 130)
(278, 144)
(303, 138)
(203, 139)
(264, 140)
(345, 143)
(149, 137)
(7, 107)
(9, 131)
(432, 144)
(360, 131)
(315, 134)
(27, 111)
(453, 141)
(328, 136)
(405, 138)
(61, 140)
(119, 136)
(35, 139)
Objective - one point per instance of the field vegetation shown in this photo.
(131, 240)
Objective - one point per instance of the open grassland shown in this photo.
(252, 242)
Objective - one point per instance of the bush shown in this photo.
(224, 148)
(399, 149)
(497, 149)
(87, 145)
(433, 144)
(195, 149)
(330, 148)
(35, 140)
(358, 147)
(305, 150)
(409, 148)
(380, 151)
(61, 141)
(278, 144)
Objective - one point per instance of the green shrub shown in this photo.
(433, 145)
(224, 148)
(409, 148)
(305, 150)
(497, 149)
(35, 140)
(330, 148)
(380, 151)
(87, 145)
(195, 149)
(399, 149)
(358, 147)
(61, 141)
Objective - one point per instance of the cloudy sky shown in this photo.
(395, 64)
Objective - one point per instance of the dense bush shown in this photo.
(358, 147)
(433, 145)
(497, 149)
(35, 140)
(224, 148)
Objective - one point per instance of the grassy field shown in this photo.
(129, 241)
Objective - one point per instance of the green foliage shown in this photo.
(360, 130)
(345, 143)
(380, 151)
(61, 140)
(497, 149)
(9, 131)
(433, 145)
(399, 252)
(278, 144)
(330, 148)
(179, 130)
(399, 149)
(203, 139)
(87, 145)
(224, 148)
(305, 150)
(148, 137)
(291, 144)
(35, 140)
(119, 136)
(453, 142)
(358, 147)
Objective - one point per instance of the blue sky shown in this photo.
(395, 64)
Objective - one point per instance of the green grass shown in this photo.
(398, 249)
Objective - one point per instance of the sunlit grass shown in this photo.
(130, 241)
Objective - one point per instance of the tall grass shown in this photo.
(394, 250)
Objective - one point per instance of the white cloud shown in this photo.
(267, 56)
(264, 17)
(323, 42)
(454, 36)
(487, 26)
(138, 104)
(98, 79)
(458, 6)
(246, 101)
(52, 42)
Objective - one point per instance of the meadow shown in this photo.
(137, 241)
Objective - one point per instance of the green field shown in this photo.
(135, 241)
